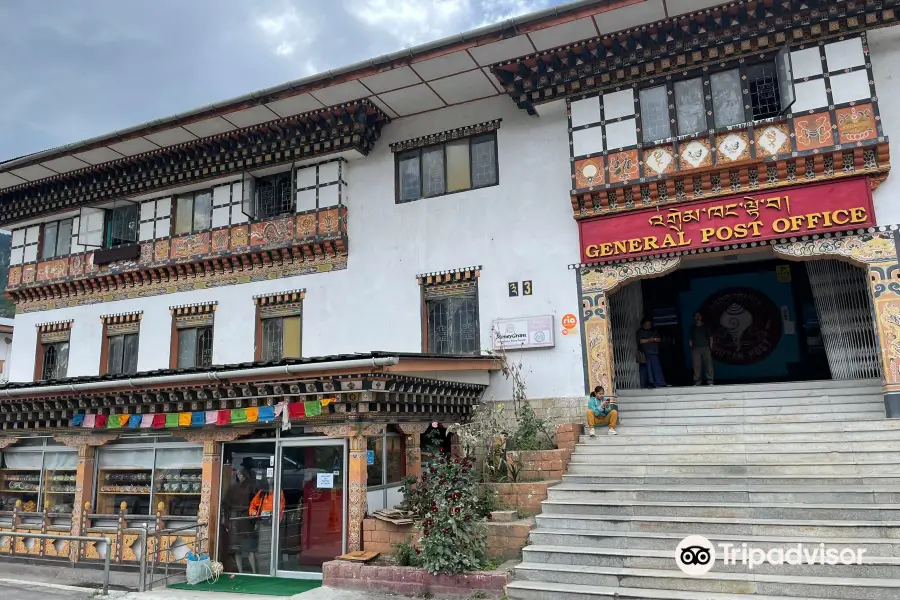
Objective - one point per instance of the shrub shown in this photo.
(453, 538)
(406, 555)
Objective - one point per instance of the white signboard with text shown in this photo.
(523, 333)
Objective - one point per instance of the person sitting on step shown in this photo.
(602, 410)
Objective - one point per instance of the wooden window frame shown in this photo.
(448, 278)
(43, 237)
(116, 325)
(174, 213)
(191, 316)
(398, 158)
(48, 334)
(267, 306)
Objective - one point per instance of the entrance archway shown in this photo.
(874, 250)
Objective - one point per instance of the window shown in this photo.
(274, 196)
(453, 166)
(193, 212)
(122, 352)
(450, 305)
(194, 347)
(655, 113)
(57, 239)
(55, 361)
(762, 81)
(192, 335)
(280, 338)
(690, 108)
(386, 468)
(279, 325)
(52, 360)
(121, 225)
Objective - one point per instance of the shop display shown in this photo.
(20, 485)
(59, 490)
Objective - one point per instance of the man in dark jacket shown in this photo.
(701, 343)
(648, 345)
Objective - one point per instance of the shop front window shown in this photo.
(386, 458)
(38, 478)
(144, 477)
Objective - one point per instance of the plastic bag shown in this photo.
(198, 570)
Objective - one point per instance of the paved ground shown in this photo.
(30, 592)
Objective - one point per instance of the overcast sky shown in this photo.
(74, 69)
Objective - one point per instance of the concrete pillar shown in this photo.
(413, 433)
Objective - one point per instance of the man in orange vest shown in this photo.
(261, 505)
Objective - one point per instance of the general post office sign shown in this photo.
(785, 212)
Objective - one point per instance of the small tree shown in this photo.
(453, 538)
(531, 431)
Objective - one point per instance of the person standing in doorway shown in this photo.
(701, 349)
(648, 345)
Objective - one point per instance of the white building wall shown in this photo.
(884, 52)
(521, 229)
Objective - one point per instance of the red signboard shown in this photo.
(764, 215)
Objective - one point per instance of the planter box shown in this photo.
(506, 539)
(412, 581)
(541, 465)
(526, 497)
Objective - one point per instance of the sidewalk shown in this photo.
(316, 594)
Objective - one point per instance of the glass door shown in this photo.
(312, 483)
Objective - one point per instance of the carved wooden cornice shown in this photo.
(88, 439)
(354, 125)
(214, 434)
(720, 181)
(674, 44)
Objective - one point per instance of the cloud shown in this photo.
(81, 69)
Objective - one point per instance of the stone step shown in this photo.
(724, 525)
(759, 407)
(744, 510)
(626, 437)
(813, 397)
(661, 467)
(667, 541)
(724, 456)
(712, 582)
(776, 388)
(876, 567)
(599, 450)
(873, 422)
(719, 419)
(540, 590)
(689, 480)
(761, 494)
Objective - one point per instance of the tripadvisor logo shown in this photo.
(695, 555)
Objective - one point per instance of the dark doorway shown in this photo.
(761, 316)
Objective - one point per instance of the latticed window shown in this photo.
(275, 196)
(451, 312)
(56, 361)
(194, 335)
(53, 350)
(279, 325)
(121, 341)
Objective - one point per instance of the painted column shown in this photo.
(876, 252)
(413, 433)
(84, 479)
(210, 477)
(594, 285)
(357, 482)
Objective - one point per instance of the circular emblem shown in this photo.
(695, 555)
(744, 323)
(569, 321)
(589, 171)
(539, 336)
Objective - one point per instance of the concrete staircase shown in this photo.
(769, 465)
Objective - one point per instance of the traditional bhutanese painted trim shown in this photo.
(199, 308)
(279, 298)
(281, 141)
(634, 54)
(446, 136)
(212, 279)
(438, 277)
(56, 331)
(732, 247)
(54, 326)
(129, 317)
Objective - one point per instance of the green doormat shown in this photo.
(249, 584)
